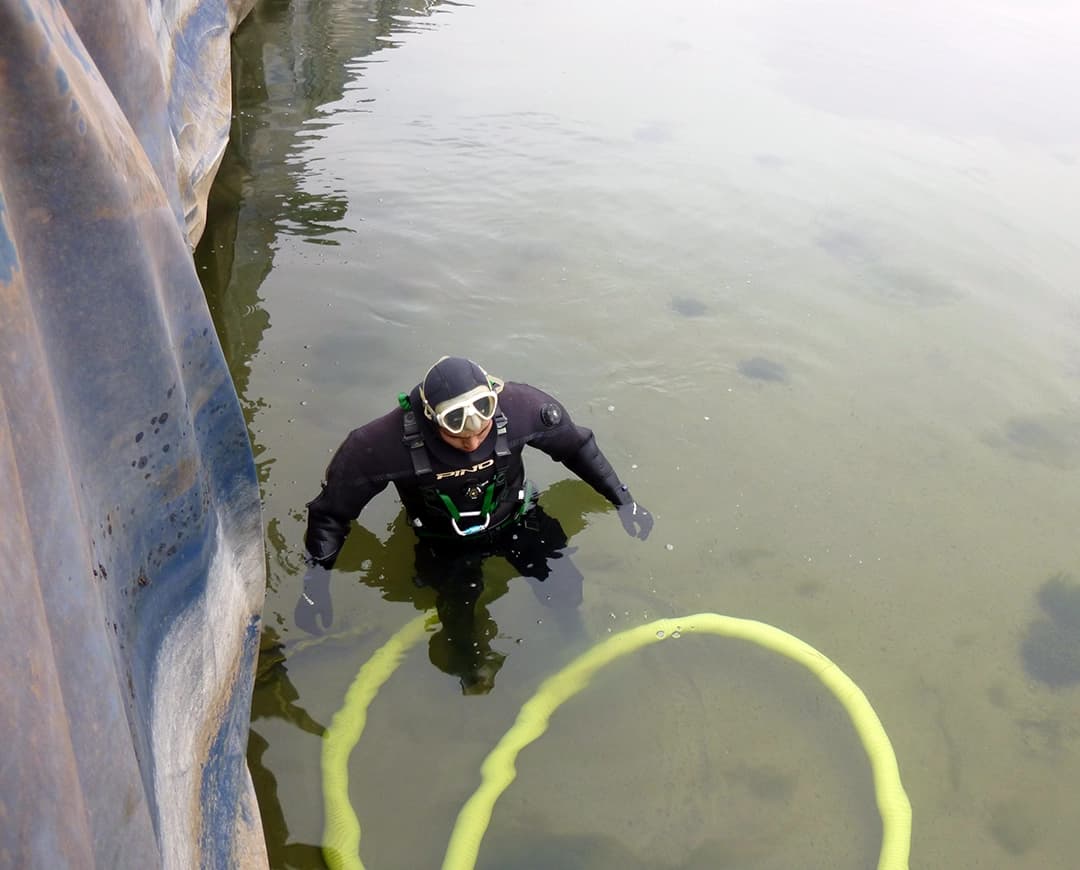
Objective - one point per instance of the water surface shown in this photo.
(809, 274)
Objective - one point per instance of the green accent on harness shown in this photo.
(341, 839)
(403, 401)
(449, 505)
(489, 500)
(485, 510)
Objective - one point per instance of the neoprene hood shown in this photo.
(449, 378)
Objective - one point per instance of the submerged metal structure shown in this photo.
(131, 558)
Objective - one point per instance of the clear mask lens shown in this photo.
(455, 417)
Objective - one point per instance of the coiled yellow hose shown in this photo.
(342, 831)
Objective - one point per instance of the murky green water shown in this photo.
(810, 273)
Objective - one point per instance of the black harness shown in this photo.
(439, 501)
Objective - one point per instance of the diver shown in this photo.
(452, 448)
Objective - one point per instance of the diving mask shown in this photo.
(467, 412)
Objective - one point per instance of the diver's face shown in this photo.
(466, 441)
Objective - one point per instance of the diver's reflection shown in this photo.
(275, 697)
(463, 581)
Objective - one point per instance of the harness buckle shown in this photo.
(471, 530)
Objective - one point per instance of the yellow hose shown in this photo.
(342, 833)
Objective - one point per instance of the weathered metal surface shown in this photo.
(131, 566)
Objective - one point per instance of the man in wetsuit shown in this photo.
(453, 449)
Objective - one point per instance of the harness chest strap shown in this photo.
(415, 442)
(421, 462)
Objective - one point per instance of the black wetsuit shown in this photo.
(377, 454)
(440, 486)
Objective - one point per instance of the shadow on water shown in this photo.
(688, 306)
(1052, 440)
(761, 369)
(1051, 646)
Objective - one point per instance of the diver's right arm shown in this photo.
(349, 486)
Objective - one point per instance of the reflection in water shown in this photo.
(461, 647)
(460, 587)
(275, 696)
(289, 60)
(316, 217)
